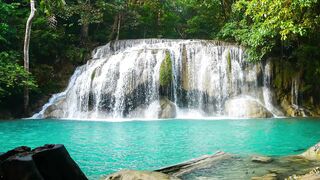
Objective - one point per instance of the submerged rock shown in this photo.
(271, 176)
(261, 159)
(139, 175)
(312, 153)
(246, 107)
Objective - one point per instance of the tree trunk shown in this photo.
(84, 33)
(115, 33)
(119, 26)
(26, 51)
(114, 28)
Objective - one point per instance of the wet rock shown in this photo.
(261, 159)
(55, 110)
(139, 175)
(271, 176)
(312, 153)
(246, 107)
(167, 109)
(294, 110)
(58, 113)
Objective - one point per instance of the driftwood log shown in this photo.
(194, 164)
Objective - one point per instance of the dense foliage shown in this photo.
(64, 33)
(262, 25)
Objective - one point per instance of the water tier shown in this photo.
(209, 79)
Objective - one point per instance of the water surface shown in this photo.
(104, 147)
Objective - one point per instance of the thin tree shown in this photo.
(26, 51)
(49, 6)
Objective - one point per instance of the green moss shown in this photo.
(229, 62)
(93, 75)
(166, 75)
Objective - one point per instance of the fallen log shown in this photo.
(202, 162)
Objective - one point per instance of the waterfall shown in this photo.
(295, 92)
(267, 93)
(122, 81)
(295, 84)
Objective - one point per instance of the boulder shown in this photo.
(312, 153)
(57, 113)
(19, 167)
(139, 175)
(55, 110)
(246, 107)
(54, 162)
(46, 162)
(167, 109)
(21, 149)
(261, 159)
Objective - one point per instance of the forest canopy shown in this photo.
(64, 32)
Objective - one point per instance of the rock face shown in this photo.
(246, 107)
(167, 109)
(312, 153)
(139, 175)
(49, 162)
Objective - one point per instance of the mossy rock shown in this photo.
(166, 75)
(229, 61)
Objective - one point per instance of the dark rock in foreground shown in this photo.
(49, 162)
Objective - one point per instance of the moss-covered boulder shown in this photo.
(166, 75)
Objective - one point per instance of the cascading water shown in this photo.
(122, 81)
(295, 96)
(295, 92)
(267, 93)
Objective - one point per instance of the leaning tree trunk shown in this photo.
(26, 51)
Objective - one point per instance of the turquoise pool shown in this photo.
(104, 147)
